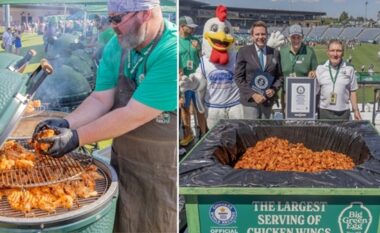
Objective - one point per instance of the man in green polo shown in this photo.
(297, 59)
(105, 34)
(189, 58)
(135, 103)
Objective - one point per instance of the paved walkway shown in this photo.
(367, 115)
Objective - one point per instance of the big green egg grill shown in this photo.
(8, 59)
(221, 199)
(94, 214)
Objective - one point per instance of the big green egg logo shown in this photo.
(355, 218)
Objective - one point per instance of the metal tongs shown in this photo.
(23, 97)
(38, 76)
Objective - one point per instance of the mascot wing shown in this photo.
(200, 89)
(276, 40)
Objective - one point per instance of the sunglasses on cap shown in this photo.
(116, 19)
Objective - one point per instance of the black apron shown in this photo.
(145, 160)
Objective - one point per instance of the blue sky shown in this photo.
(332, 7)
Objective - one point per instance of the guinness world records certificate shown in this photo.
(300, 98)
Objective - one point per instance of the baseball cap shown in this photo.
(295, 29)
(121, 6)
(188, 21)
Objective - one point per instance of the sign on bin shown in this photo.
(291, 214)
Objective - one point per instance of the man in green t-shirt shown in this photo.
(105, 33)
(189, 58)
(134, 102)
(297, 59)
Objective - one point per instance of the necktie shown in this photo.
(261, 58)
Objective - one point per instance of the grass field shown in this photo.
(365, 54)
(32, 41)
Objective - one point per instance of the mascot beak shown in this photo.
(219, 40)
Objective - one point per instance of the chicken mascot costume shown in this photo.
(216, 91)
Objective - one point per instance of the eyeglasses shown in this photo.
(116, 19)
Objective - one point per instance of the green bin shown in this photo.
(220, 199)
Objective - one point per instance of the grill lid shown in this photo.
(71, 83)
(7, 59)
(15, 92)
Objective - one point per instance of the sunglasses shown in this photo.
(116, 19)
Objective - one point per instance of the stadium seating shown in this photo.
(317, 32)
(350, 33)
(332, 33)
(306, 30)
(275, 29)
(285, 32)
(369, 34)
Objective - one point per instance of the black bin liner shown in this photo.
(211, 162)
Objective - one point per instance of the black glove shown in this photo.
(50, 123)
(64, 142)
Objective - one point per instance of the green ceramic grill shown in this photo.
(94, 214)
(15, 92)
(81, 65)
(7, 59)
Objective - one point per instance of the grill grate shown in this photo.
(102, 186)
(47, 171)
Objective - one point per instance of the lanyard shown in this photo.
(293, 59)
(333, 79)
(133, 69)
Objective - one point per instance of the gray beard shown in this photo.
(134, 38)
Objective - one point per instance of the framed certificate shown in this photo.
(300, 98)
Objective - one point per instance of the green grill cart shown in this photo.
(93, 214)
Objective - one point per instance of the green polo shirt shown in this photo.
(187, 52)
(157, 88)
(301, 63)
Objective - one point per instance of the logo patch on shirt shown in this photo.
(140, 78)
(221, 79)
(163, 118)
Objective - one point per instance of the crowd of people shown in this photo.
(336, 82)
(11, 41)
(98, 33)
